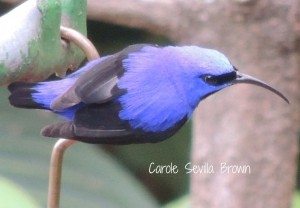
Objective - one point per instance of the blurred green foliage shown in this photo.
(182, 202)
(13, 196)
(296, 200)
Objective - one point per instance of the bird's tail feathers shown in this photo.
(21, 95)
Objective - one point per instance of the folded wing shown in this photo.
(97, 85)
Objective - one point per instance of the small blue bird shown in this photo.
(142, 94)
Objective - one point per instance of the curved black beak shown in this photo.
(243, 78)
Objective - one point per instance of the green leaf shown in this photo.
(182, 202)
(13, 196)
(296, 200)
(91, 178)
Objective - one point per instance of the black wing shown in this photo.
(94, 123)
(100, 123)
(98, 85)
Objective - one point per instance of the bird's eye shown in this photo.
(209, 79)
(219, 79)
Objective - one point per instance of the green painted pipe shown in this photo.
(30, 45)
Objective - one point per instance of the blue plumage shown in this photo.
(144, 93)
(164, 85)
(45, 92)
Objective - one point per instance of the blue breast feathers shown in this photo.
(156, 97)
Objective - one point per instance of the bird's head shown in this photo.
(210, 71)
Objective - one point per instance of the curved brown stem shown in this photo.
(63, 144)
(55, 171)
(81, 41)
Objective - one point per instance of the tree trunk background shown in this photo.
(243, 125)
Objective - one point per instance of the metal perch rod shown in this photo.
(62, 144)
